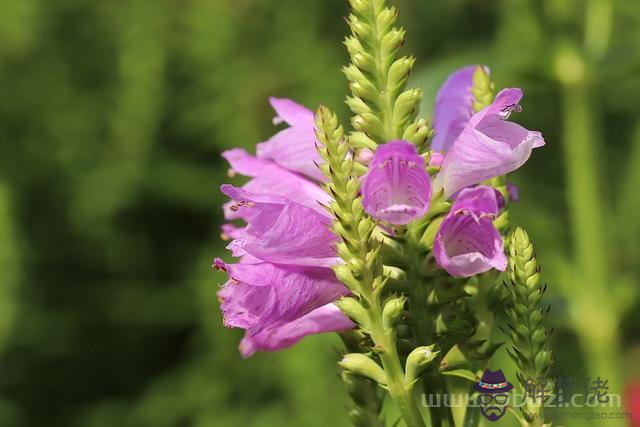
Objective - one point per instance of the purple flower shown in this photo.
(488, 146)
(282, 287)
(454, 108)
(294, 148)
(397, 187)
(327, 318)
(268, 177)
(261, 296)
(282, 231)
(467, 243)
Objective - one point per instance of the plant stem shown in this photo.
(423, 322)
(400, 392)
(594, 315)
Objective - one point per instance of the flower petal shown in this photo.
(270, 178)
(327, 318)
(294, 148)
(291, 112)
(282, 231)
(397, 187)
(478, 201)
(454, 108)
(262, 296)
(489, 146)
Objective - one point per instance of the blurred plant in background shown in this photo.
(112, 121)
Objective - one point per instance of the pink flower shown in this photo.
(282, 287)
(260, 296)
(327, 318)
(282, 231)
(397, 187)
(467, 243)
(293, 148)
(488, 146)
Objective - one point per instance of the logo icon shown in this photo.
(494, 394)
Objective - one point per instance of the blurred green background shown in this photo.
(113, 115)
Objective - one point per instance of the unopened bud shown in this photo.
(359, 364)
(354, 310)
(418, 361)
(393, 312)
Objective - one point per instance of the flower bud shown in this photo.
(358, 106)
(359, 6)
(386, 18)
(344, 274)
(352, 308)
(392, 313)
(359, 364)
(392, 42)
(406, 106)
(418, 132)
(418, 361)
(399, 71)
(360, 139)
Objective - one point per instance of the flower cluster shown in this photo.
(283, 286)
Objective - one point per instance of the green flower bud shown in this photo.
(418, 361)
(386, 18)
(344, 274)
(354, 310)
(358, 106)
(418, 132)
(392, 41)
(406, 106)
(359, 364)
(360, 140)
(359, 6)
(399, 72)
(393, 312)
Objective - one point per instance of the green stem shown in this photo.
(594, 315)
(400, 391)
(423, 322)
(598, 21)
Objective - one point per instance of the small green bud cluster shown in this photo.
(530, 350)
(378, 76)
(483, 89)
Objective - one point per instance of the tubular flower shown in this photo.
(282, 231)
(261, 296)
(327, 318)
(467, 242)
(282, 287)
(397, 187)
(488, 146)
(293, 148)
